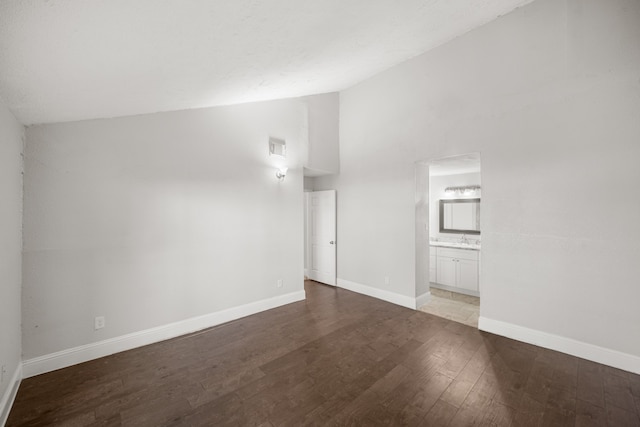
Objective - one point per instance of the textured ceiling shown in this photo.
(64, 60)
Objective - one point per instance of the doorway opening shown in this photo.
(448, 237)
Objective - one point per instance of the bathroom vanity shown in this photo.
(455, 267)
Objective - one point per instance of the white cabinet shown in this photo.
(446, 271)
(467, 274)
(457, 268)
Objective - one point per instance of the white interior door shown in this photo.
(322, 221)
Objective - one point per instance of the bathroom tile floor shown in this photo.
(453, 306)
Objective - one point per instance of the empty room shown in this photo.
(287, 213)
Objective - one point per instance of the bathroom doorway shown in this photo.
(451, 236)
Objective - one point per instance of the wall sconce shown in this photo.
(466, 190)
(281, 173)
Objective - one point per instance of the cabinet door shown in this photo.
(467, 274)
(446, 271)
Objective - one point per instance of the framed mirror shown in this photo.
(460, 216)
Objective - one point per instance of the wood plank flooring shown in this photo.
(338, 358)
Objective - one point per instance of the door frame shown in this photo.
(422, 247)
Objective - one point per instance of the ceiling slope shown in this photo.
(63, 60)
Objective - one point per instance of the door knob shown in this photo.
(331, 242)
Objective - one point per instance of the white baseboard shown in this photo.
(391, 297)
(10, 395)
(422, 299)
(617, 359)
(84, 353)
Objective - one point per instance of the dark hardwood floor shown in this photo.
(338, 358)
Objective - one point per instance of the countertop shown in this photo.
(456, 245)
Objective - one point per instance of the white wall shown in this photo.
(308, 183)
(324, 155)
(153, 219)
(422, 230)
(11, 134)
(550, 97)
(437, 185)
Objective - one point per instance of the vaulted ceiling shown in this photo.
(63, 60)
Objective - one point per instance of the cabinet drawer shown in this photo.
(458, 253)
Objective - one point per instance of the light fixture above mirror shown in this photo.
(462, 190)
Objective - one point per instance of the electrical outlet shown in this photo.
(99, 323)
(386, 280)
(279, 283)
